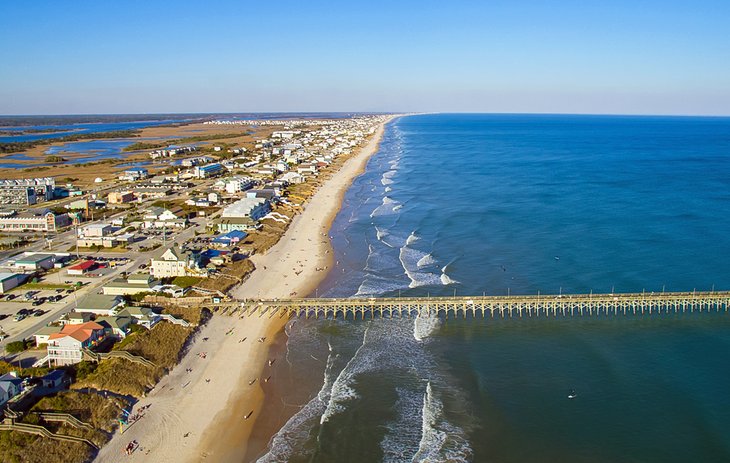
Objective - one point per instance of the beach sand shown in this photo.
(199, 415)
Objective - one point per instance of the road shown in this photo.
(137, 258)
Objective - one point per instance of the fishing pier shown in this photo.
(560, 305)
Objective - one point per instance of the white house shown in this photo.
(238, 184)
(66, 347)
(243, 214)
(159, 217)
(175, 263)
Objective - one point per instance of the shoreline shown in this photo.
(198, 411)
(321, 209)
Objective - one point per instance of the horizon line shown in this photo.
(546, 113)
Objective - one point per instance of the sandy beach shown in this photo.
(205, 408)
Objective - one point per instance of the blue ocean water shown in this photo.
(498, 204)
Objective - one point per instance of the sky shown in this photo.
(561, 56)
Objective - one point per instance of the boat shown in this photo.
(572, 394)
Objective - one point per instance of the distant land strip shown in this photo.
(17, 146)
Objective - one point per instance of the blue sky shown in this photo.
(614, 57)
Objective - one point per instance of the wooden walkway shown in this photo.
(565, 305)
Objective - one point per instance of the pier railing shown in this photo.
(486, 306)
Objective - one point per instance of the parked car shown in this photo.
(19, 317)
(10, 297)
(38, 313)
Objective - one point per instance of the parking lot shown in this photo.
(20, 309)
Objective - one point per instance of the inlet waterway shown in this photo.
(498, 204)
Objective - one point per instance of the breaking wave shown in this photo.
(440, 440)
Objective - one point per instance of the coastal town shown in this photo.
(112, 291)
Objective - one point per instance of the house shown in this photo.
(66, 347)
(100, 304)
(10, 386)
(54, 379)
(266, 193)
(9, 281)
(133, 284)
(151, 192)
(41, 336)
(175, 263)
(143, 316)
(76, 318)
(134, 174)
(292, 178)
(229, 239)
(120, 197)
(172, 290)
(116, 326)
(36, 261)
(159, 217)
(243, 214)
(82, 268)
(307, 168)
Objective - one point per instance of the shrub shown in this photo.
(16, 346)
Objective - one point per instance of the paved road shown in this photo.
(137, 258)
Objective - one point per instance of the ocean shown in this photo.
(472, 204)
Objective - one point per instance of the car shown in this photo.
(59, 290)
(22, 312)
(11, 297)
(19, 317)
(38, 313)
(37, 303)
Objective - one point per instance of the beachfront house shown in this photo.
(142, 316)
(116, 326)
(66, 347)
(230, 239)
(173, 262)
(243, 214)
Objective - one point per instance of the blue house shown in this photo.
(231, 238)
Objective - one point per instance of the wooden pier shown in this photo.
(561, 305)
